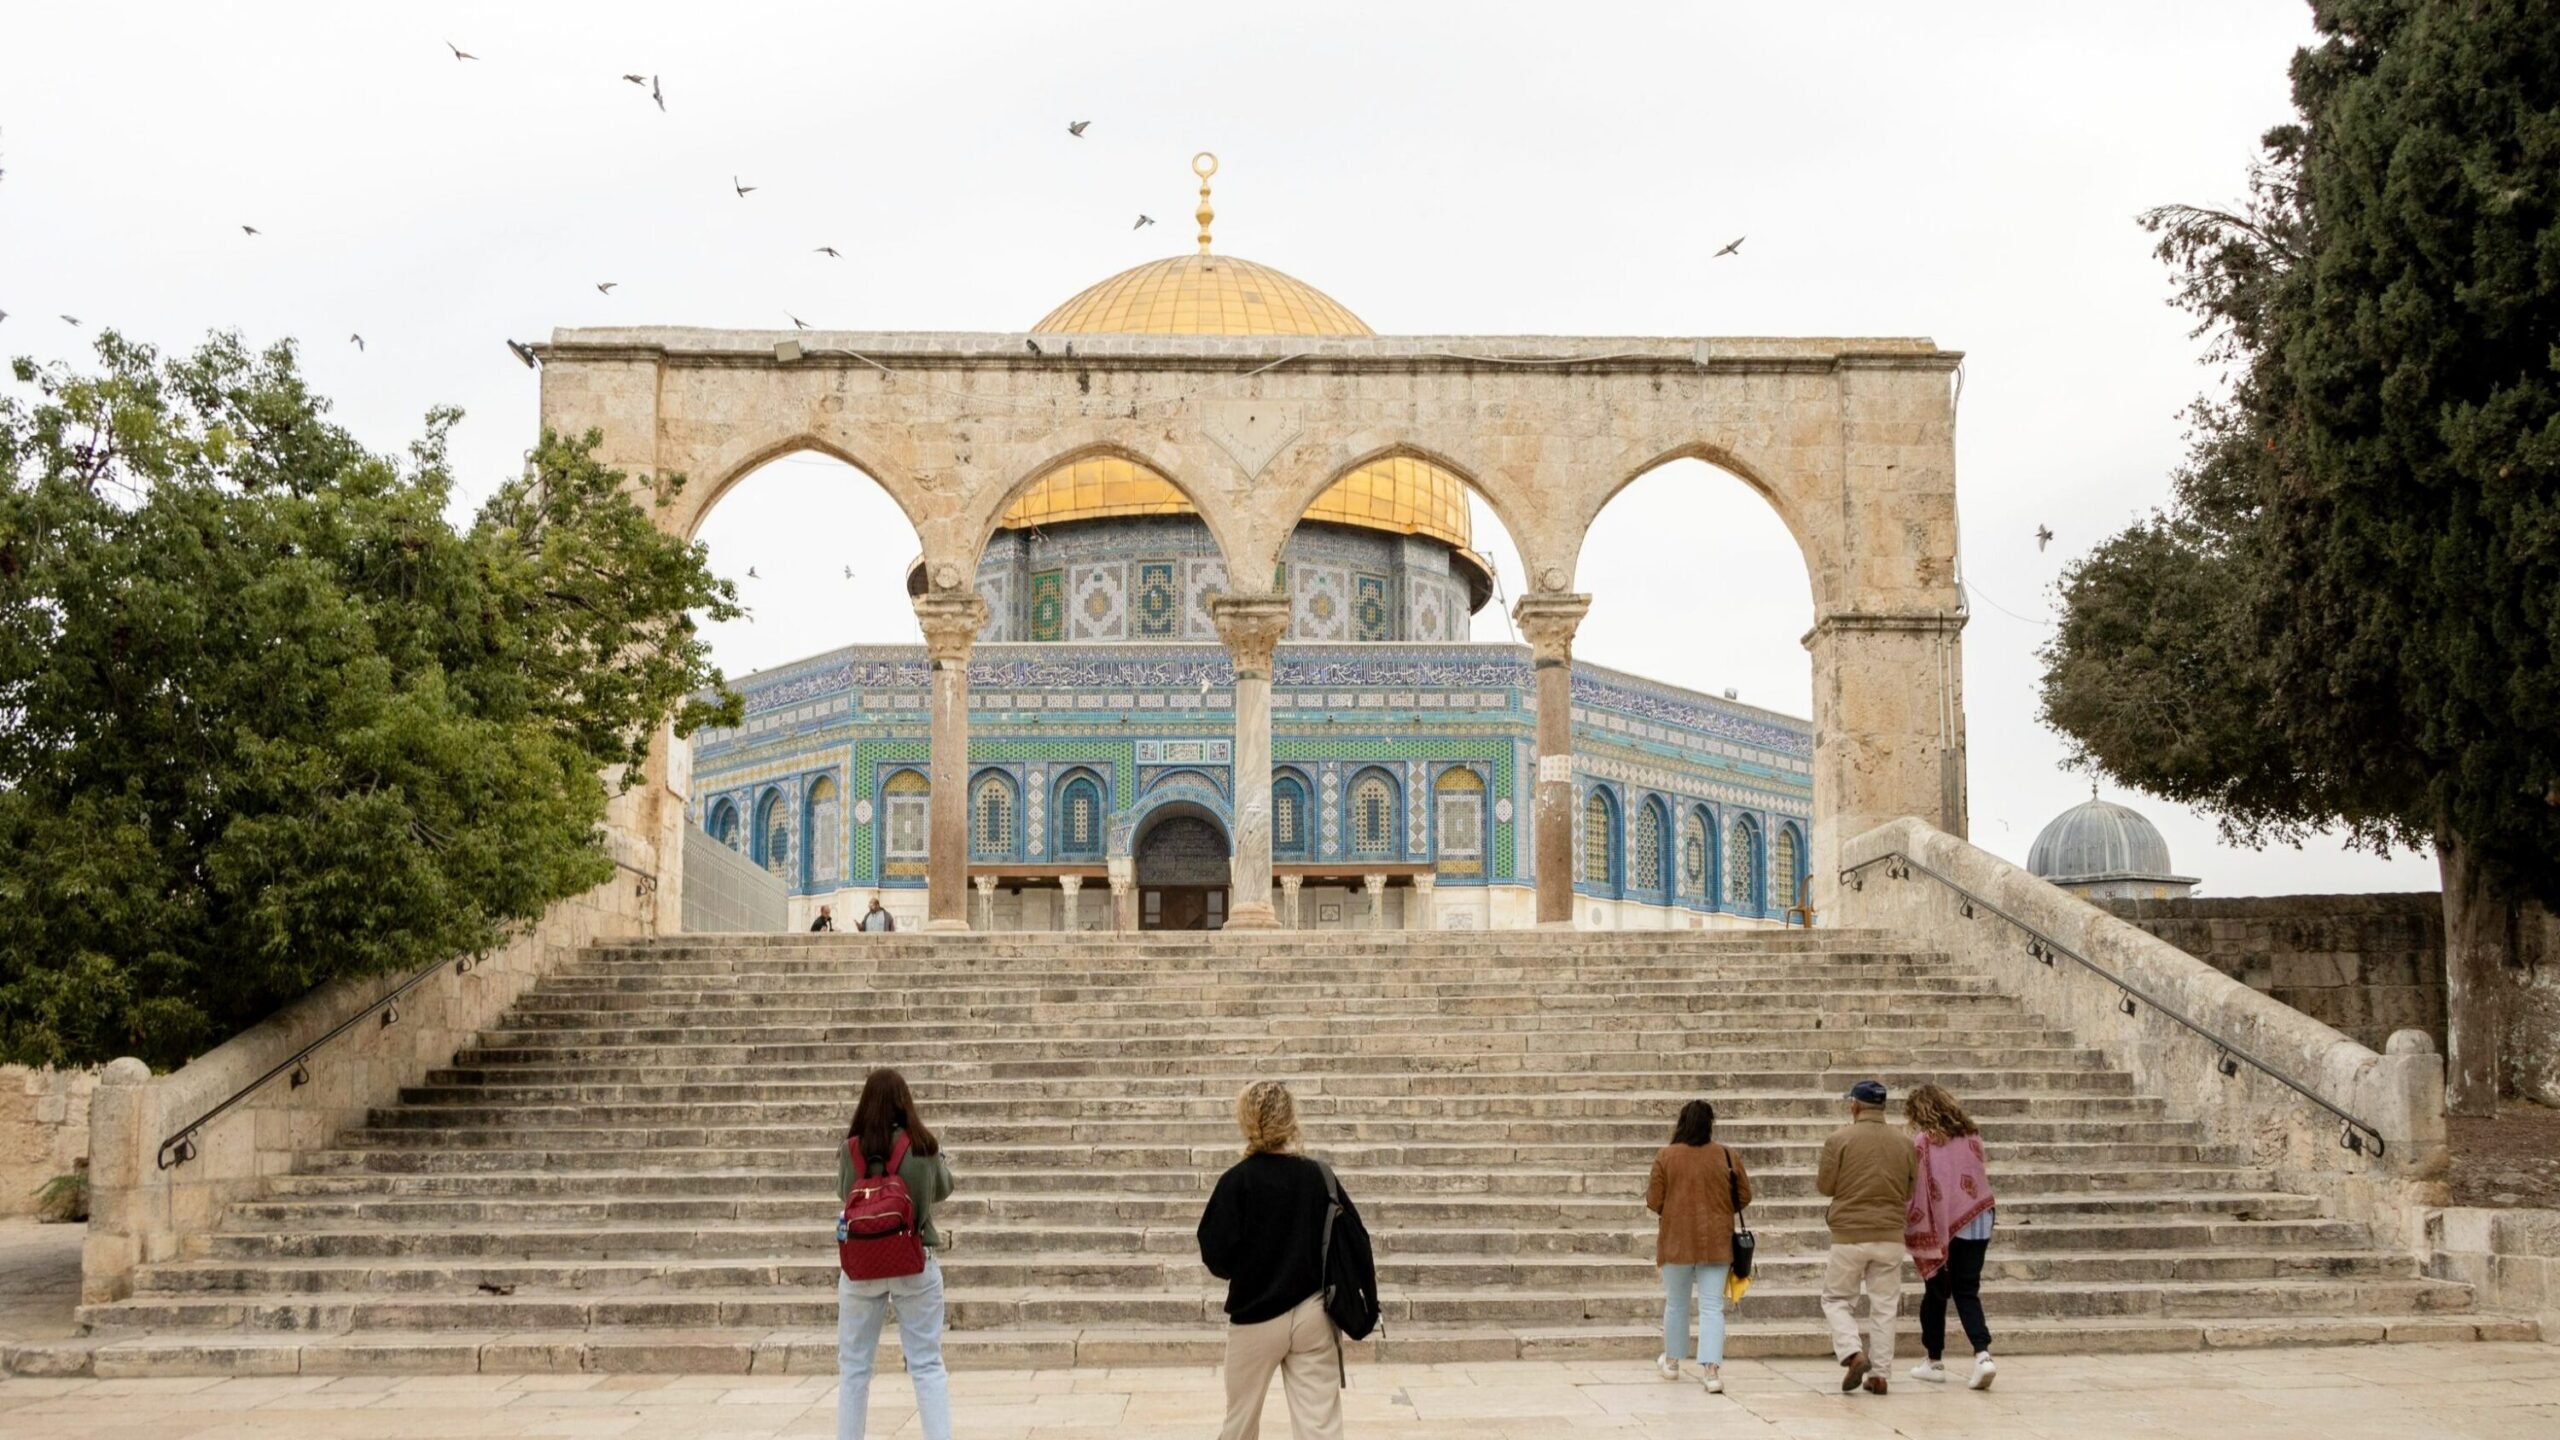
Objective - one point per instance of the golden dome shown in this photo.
(1207, 294)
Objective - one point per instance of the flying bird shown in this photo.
(743, 190)
(796, 322)
(605, 287)
(248, 229)
(458, 52)
(2044, 537)
(658, 95)
(1143, 222)
(827, 250)
(751, 573)
(4, 314)
(356, 340)
(848, 572)
(637, 79)
(70, 319)
(1733, 249)
(1076, 128)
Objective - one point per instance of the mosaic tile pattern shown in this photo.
(1319, 596)
(1048, 605)
(1099, 605)
(1158, 601)
(1370, 620)
(1200, 580)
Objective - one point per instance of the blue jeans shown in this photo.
(1706, 1282)
(861, 1306)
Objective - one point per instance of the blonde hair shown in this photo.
(1268, 1115)
(1932, 1109)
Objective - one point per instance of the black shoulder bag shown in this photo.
(1743, 1241)
(1349, 1271)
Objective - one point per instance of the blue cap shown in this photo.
(1867, 1092)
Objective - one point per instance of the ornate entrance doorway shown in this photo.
(1182, 874)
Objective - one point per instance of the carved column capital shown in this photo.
(951, 624)
(1252, 627)
(1548, 623)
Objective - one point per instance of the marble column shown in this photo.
(1068, 885)
(951, 622)
(1123, 870)
(1548, 621)
(1376, 885)
(1289, 901)
(1417, 906)
(1251, 626)
(986, 900)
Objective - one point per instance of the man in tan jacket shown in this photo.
(1867, 1171)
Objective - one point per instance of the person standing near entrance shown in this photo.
(877, 920)
(826, 919)
(1264, 1234)
(1948, 1229)
(887, 1137)
(1697, 1187)
(1867, 1170)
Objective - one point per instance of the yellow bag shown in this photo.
(1735, 1287)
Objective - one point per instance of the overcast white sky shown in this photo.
(1967, 172)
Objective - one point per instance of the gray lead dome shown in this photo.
(2098, 841)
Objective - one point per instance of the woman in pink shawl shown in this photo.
(1948, 1228)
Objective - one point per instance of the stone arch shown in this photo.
(1815, 537)
(697, 506)
(722, 823)
(1093, 445)
(1170, 800)
(1511, 503)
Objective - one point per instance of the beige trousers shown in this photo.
(1874, 1270)
(1300, 1346)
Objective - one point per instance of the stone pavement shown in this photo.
(2401, 1392)
(39, 1279)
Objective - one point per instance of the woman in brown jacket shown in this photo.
(1693, 1188)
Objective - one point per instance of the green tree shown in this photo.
(2360, 568)
(267, 719)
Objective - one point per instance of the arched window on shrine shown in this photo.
(906, 824)
(773, 834)
(1600, 839)
(1373, 817)
(1786, 878)
(1646, 844)
(1079, 818)
(723, 825)
(824, 844)
(1458, 821)
(991, 817)
(1742, 865)
(1290, 837)
(1698, 858)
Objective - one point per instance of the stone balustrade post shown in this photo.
(1123, 872)
(986, 900)
(1376, 885)
(1548, 621)
(1289, 900)
(1068, 885)
(951, 620)
(1417, 906)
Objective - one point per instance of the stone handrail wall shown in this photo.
(141, 1214)
(2510, 1257)
(44, 1130)
(2400, 1093)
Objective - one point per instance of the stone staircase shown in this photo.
(635, 1172)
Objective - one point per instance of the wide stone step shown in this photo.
(734, 1023)
(1286, 1058)
(810, 1350)
(379, 1298)
(558, 1083)
(1651, 1069)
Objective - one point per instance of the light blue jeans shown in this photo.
(1706, 1282)
(861, 1306)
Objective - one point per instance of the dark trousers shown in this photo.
(1961, 1279)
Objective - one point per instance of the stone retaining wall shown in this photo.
(140, 1212)
(44, 1130)
(2366, 964)
(2511, 1257)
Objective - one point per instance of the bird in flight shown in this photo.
(829, 251)
(796, 322)
(458, 52)
(1143, 222)
(248, 229)
(70, 319)
(1734, 248)
(1076, 128)
(636, 79)
(751, 573)
(743, 190)
(356, 340)
(2044, 537)
(605, 287)
(848, 572)
(658, 95)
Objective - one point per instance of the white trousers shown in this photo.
(1874, 1271)
(1300, 1346)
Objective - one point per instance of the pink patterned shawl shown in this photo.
(1952, 1187)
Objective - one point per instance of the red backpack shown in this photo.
(876, 1235)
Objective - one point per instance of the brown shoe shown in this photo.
(1854, 1369)
(1875, 1384)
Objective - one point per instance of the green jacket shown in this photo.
(1867, 1169)
(928, 1180)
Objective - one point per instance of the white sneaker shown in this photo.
(1985, 1370)
(1931, 1371)
(1669, 1367)
(1712, 1378)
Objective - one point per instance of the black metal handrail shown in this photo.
(180, 1147)
(2357, 1135)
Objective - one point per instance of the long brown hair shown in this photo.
(1932, 1109)
(1696, 1126)
(886, 1107)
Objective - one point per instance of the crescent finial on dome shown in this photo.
(1204, 165)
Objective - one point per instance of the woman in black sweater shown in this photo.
(1263, 1234)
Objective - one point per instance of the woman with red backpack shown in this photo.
(889, 1176)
